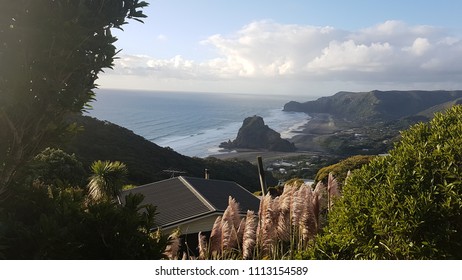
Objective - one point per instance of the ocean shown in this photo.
(193, 124)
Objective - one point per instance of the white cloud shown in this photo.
(350, 56)
(420, 46)
(161, 38)
(267, 52)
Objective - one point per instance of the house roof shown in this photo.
(181, 199)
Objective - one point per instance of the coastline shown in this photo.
(307, 138)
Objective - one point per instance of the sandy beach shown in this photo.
(307, 141)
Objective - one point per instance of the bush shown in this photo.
(404, 206)
(44, 222)
(54, 166)
(341, 168)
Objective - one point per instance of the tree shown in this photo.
(54, 167)
(107, 180)
(407, 205)
(56, 223)
(51, 53)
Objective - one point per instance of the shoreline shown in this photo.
(308, 141)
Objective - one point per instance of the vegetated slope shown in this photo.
(146, 161)
(375, 105)
(407, 205)
(430, 112)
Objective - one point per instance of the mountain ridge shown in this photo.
(375, 105)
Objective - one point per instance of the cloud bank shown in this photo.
(264, 54)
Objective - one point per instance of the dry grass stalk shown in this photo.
(283, 225)
(296, 207)
(235, 209)
(171, 251)
(230, 224)
(332, 189)
(227, 237)
(308, 220)
(202, 246)
(215, 237)
(286, 198)
(264, 202)
(347, 178)
(285, 206)
(240, 231)
(249, 238)
(316, 202)
(269, 226)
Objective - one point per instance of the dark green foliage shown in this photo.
(107, 180)
(54, 166)
(404, 206)
(51, 53)
(44, 222)
(341, 168)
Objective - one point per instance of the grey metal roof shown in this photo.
(217, 193)
(181, 199)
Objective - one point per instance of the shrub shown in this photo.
(404, 206)
(341, 168)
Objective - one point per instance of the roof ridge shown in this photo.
(219, 180)
(149, 184)
(197, 194)
(200, 178)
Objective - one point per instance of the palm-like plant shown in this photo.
(107, 180)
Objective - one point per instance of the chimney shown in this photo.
(207, 174)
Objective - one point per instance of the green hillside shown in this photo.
(146, 161)
(375, 105)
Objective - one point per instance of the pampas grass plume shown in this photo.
(215, 236)
(171, 251)
(249, 238)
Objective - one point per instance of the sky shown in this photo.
(290, 47)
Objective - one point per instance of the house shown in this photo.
(193, 204)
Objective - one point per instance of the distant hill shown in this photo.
(255, 134)
(146, 161)
(428, 113)
(377, 105)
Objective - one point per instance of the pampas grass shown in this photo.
(332, 190)
(284, 226)
(202, 246)
(250, 235)
(216, 237)
(316, 202)
(173, 247)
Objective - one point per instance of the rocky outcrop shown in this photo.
(254, 134)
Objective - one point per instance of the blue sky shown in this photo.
(291, 47)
